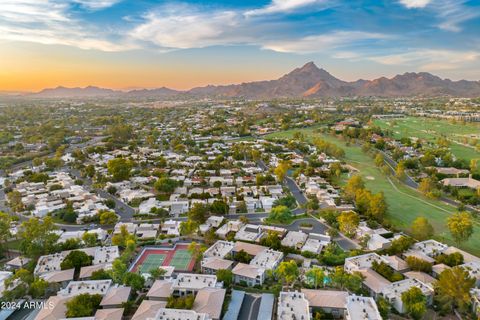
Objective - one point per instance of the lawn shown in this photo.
(404, 203)
(431, 129)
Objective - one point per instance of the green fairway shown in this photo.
(404, 203)
(459, 134)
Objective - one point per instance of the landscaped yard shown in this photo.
(431, 129)
(404, 203)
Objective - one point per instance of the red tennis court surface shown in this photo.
(152, 258)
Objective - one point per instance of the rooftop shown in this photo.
(194, 281)
(267, 259)
(219, 249)
(293, 305)
(362, 308)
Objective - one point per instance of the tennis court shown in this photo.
(154, 257)
(181, 259)
(152, 261)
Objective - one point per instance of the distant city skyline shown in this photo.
(124, 44)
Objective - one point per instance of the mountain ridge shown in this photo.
(307, 81)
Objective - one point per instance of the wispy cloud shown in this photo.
(49, 22)
(429, 59)
(96, 4)
(323, 42)
(285, 6)
(183, 27)
(451, 13)
(415, 3)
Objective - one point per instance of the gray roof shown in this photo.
(266, 307)
(234, 306)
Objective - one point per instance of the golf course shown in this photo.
(404, 203)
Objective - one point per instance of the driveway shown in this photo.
(250, 307)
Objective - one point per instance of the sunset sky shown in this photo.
(181, 44)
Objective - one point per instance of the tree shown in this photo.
(196, 250)
(134, 280)
(121, 239)
(118, 271)
(427, 186)
(226, 276)
(281, 170)
(281, 214)
(185, 302)
(15, 201)
(82, 305)
(415, 302)
(242, 256)
(453, 288)
(101, 274)
(165, 185)
(188, 227)
(379, 160)
(37, 237)
(317, 276)
(452, 260)
(198, 213)
(107, 217)
(378, 207)
(90, 171)
(38, 288)
(417, 264)
(348, 222)
(119, 168)
(157, 273)
(344, 280)
(5, 234)
(422, 229)
(271, 240)
(120, 133)
(354, 184)
(384, 307)
(460, 226)
(400, 245)
(287, 271)
(110, 203)
(90, 239)
(400, 171)
(219, 207)
(76, 259)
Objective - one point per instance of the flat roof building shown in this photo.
(293, 305)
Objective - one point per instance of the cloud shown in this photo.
(429, 59)
(282, 6)
(183, 28)
(49, 22)
(411, 4)
(323, 42)
(96, 4)
(451, 13)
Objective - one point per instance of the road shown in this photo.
(294, 190)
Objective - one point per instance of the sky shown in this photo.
(125, 44)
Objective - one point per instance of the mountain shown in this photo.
(308, 81)
(63, 92)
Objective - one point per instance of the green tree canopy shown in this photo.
(83, 305)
